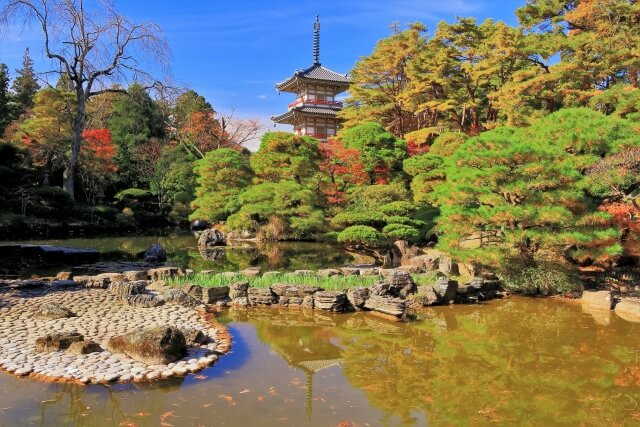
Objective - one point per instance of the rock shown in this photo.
(303, 272)
(238, 290)
(111, 277)
(155, 253)
(271, 273)
(176, 296)
(357, 297)
(307, 302)
(57, 342)
(602, 300)
(165, 273)
(251, 272)
(287, 290)
(369, 271)
(92, 281)
(27, 284)
(210, 238)
(192, 290)
(64, 283)
(199, 225)
(83, 347)
(134, 275)
(427, 295)
(386, 304)
(447, 266)
(334, 301)
(400, 283)
(402, 251)
(215, 294)
(426, 262)
(154, 346)
(124, 289)
(350, 271)
(261, 296)
(64, 275)
(447, 289)
(629, 309)
(143, 301)
(290, 301)
(194, 336)
(240, 302)
(52, 310)
(328, 272)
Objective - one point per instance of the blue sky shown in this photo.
(233, 52)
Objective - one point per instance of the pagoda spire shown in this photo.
(316, 41)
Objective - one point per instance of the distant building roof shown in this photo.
(314, 73)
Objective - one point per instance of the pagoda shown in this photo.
(313, 113)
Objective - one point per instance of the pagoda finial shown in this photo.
(316, 41)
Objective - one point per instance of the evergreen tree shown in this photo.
(5, 106)
(25, 84)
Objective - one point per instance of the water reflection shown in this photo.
(182, 251)
(520, 361)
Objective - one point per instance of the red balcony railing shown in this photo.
(302, 101)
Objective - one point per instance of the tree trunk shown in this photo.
(77, 127)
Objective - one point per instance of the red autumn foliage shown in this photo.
(381, 174)
(98, 150)
(623, 215)
(342, 168)
(415, 149)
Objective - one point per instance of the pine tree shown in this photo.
(5, 107)
(25, 84)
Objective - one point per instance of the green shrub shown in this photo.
(362, 235)
(402, 232)
(52, 202)
(329, 237)
(544, 279)
(347, 219)
(399, 207)
(405, 220)
(131, 194)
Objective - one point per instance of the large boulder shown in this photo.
(143, 301)
(261, 296)
(154, 346)
(165, 273)
(124, 289)
(176, 296)
(84, 347)
(601, 300)
(447, 266)
(447, 289)
(335, 301)
(386, 304)
(629, 309)
(57, 342)
(427, 295)
(214, 294)
(426, 262)
(358, 297)
(155, 253)
(210, 238)
(199, 225)
(238, 290)
(52, 310)
(194, 336)
(99, 282)
(287, 290)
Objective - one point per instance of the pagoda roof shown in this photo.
(304, 110)
(316, 73)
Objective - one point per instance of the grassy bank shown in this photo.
(326, 283)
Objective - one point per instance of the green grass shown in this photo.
(326, 283)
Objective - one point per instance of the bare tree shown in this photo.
(236, 131)
(95, 50)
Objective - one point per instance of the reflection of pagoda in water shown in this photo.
(302, 348)
(314, 111)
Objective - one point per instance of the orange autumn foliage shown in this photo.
(98, 150)
(342, 168)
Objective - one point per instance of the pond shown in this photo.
(182, 251)
(518, 361)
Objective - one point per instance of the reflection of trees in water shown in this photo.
(71, 404)
(517, 361)
(210, 254)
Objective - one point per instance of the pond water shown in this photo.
(519, 362)
(182, 251)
